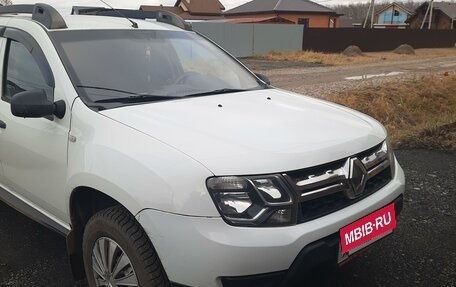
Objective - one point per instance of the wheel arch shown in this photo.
(84, 202)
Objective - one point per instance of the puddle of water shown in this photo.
(366, 77)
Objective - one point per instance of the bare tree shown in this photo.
(6, 2)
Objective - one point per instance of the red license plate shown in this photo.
(368, 229)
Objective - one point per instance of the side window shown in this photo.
(22, 73)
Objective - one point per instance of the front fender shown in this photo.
(133, 168)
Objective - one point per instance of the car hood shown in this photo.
(255, 132)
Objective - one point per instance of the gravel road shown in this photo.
(318, 81)
(421, 252)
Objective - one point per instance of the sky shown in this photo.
(65, 5)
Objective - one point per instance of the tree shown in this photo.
(6, 2)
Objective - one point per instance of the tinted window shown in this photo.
(23, 73)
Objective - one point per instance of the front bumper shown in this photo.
(203, 252)
(321, 252)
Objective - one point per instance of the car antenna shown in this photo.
(133, 23)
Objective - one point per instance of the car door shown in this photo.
(33, 151)
(2, 128)
(2, 178)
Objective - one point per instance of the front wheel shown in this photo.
(117, 252)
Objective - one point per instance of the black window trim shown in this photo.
(13, 34)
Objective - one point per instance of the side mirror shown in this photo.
(34, 104)
(263, 78)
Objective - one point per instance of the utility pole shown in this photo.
(373, 14)
(371, 8)
(430, 14)
(428, 11)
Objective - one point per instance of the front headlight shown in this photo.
(252, 201)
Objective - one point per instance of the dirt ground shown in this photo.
(320, 80)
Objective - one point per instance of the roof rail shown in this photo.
(160, 16)
(42, 13)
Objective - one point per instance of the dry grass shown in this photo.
(418, 113)
(335, 59)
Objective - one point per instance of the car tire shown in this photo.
(117, 251)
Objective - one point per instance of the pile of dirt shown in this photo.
(352, 51)
(405, 50)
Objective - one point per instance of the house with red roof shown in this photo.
(303, 12)
(192, 9)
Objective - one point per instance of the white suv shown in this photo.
(164, 161)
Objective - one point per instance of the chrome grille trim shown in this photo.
(375, 158)
(335, 188)
(334, 178)
(378, 169)
(327, 177)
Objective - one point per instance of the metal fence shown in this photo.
(372, 40)
(246, 40)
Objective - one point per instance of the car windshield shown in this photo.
(107, 65)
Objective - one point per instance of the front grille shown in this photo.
(327, 188)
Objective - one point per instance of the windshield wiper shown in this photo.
(215, 92)
(106, 89)
(137, 99)
(134, 98)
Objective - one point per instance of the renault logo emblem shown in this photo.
(357, 178)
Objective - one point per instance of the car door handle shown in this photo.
(2, 125)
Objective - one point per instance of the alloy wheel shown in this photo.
(111, 265)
